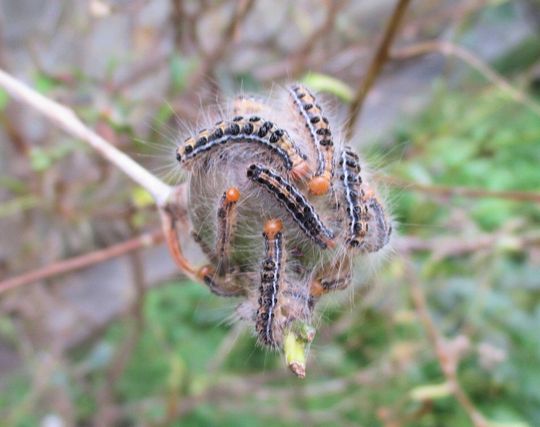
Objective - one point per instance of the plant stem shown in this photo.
(69, 122)
(376, 65)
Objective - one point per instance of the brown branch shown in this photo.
(447, 356)
(460, 245)
(66, 119)
(229, 35)
(83, 261)
(448, 191)
(450, 49)
(135, 323)
(140, 72)
(300, 57)
(376, 65)
(173, 215)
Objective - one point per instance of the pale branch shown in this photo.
(172, 207)
(70, 123)
(450, 49)
(82, 261)
(375, 67)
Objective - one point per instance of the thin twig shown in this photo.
(230, 35)
(448, 359)
(300, 57)
(450, 49)
(69, 122)
(461, 245)
(376, 65)
(448, 191)
(134, 320)
(83, 261)
(170, 206)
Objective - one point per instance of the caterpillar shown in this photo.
(226, 221)
(320, 136)
(295, 203)
(252, 129)
(357, 211)
(271, 278)
(281, 158)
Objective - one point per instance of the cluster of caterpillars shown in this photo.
(324, 203)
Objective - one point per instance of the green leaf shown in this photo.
(141, 198)
(431, 392)
(44, 84)
(40, 160)
(325, 83)
(4, 98)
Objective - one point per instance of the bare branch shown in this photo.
(450, 49)
(69, 122)
(448, 191)
(83, 261)
(299, 58)
(376, 65)
(448, 357)
(228, 38)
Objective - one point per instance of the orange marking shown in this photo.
(232, 195)
(316, 289)
(319, 185)
(273, 227)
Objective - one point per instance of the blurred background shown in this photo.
(447, 332)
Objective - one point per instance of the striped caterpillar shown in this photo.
(260, 188)
(320, 137)
(252, 129)
(271, 278)
(294, 202)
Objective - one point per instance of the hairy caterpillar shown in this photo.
(252, 129)
(294, 202)
(271, 277)
(320, 136)
(302, 194)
